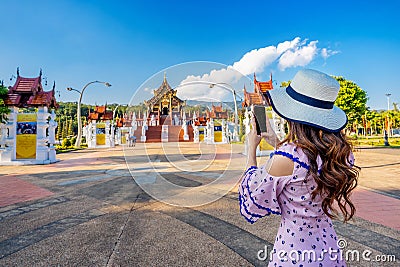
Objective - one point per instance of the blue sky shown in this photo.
(127, 42)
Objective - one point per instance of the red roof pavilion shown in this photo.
(100, 113)
(28, 92)
(217, 112)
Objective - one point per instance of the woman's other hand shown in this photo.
(270, 135)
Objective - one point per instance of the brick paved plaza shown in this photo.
(87, 209)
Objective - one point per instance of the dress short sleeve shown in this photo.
(259, 191)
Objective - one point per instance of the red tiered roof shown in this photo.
(100, 109)
(263, 86)
(217, 112)
(259, 95)
(100, 113)
(28, 92)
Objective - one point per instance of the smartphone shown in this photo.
(261, 119)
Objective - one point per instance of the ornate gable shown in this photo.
(27, 92)
(163, 93)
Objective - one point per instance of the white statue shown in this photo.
(246, 121)
(143, 130)
(185, 128)
(134, 122)
(152, 120)
(176, 120)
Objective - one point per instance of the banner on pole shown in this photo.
(26, 136)
(100, 134)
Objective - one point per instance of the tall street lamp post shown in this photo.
(79, 137)
(115, 110)
(387, 119)
(230, 88)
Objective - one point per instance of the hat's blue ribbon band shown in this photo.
(308, 100)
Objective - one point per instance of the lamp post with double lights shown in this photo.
(79, 137)
(387, 119)
(230, 88)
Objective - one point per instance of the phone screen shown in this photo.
(261, 119)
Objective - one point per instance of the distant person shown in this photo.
(131, 140)
(308, 179)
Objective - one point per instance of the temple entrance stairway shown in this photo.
(165, 120)
(153, 134)
(175, 134)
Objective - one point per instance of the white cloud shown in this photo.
(325, 53)
(227, 74)
(256, 60)
(287, 54)
(299, 56)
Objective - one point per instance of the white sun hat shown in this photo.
(309, 99)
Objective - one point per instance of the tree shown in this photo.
(4, 110)
(285, 84)
(69, 128)
(64, 129)
(352, 100)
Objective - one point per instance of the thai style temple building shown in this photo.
(258, 97)
(164, 103)
(28, 136)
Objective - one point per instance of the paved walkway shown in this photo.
(87, 210)
(14, 190)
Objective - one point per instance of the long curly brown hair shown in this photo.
(337, 177)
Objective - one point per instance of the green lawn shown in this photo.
(377, 141)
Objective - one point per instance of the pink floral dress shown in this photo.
(306, 236)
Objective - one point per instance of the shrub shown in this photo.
(66, 143)
(73, 140)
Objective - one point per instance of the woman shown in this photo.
(308, 179)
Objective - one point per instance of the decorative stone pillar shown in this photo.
(8, 153)
(42, 150)
(185, 128)
(164, 133)
(51, 135)
(206, 132)
(246, 125)
(109, 134)
(279, 125)
(210, 130)
(3, 133)
(153, 120)
(112, 135)
(134, 123)
(144, 128)
(92, 134)
(196, 134)
(3, 136)
(224, 132)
